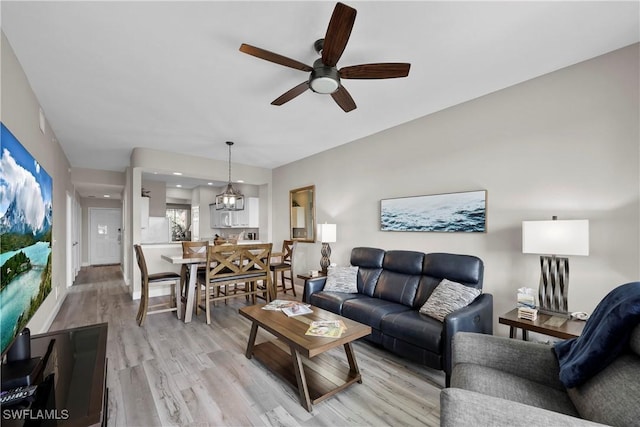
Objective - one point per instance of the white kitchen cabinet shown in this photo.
(214, 216)
(249, 217)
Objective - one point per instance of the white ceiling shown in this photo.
(111, 76)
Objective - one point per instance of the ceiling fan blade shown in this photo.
(274, 57)
(388, 70)
(344, 99)
(291, 93)
(338, 33)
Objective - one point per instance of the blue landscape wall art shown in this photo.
(454, 212)
(25, 236)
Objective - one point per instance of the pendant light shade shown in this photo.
(230, 199)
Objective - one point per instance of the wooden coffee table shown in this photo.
(314, 382)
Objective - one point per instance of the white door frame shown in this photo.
(70, 242)
(74, 216)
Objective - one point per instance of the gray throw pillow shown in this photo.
(342, 279)
(448, 297)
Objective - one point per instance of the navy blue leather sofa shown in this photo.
(392, 286)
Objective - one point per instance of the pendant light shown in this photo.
(230, 199)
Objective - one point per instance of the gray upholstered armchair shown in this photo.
(500, 381)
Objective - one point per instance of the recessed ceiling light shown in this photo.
(106, 195)
(209, 183)
(240, 181)
(178, 185)
(177, 173)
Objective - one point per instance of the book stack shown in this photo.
(527, 313)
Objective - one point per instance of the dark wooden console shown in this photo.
(72, 387)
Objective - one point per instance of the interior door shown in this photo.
(105, 227)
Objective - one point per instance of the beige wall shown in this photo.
(20, 114)
(564, 144)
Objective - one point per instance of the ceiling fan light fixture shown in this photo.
(324, 79)
(325, 85)
(230, 199)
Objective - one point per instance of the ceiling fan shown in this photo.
(325, 77)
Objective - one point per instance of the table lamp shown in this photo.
(326, 234)
(551, 238)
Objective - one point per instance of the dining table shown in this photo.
(193, 261)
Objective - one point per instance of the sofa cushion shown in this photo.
(331, 301)
(448, 297)
(342, 279)
(497, 383)
(465, 269)
(611, 396)
(369, 261)
(400, 277)
(369, 310)
(415, 328)
(467, 408)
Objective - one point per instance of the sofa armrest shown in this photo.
(464, 408)
(525, 359)
(311, 286)
(476, 317)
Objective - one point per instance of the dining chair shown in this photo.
(191, 249)
(232, 265)
(154, 279)
(284, 266)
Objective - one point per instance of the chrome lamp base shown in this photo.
(554, 286)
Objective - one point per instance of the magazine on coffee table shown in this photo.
(297, 310)
(280, 304)
(326, 328)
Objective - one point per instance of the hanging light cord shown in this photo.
(229, 143)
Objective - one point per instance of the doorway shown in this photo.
(105, 235)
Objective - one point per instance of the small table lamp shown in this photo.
(326, 234)
(551, 238)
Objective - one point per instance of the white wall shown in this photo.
(564, 144)
(20, 113)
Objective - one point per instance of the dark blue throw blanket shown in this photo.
(604, 337)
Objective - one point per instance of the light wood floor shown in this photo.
(171, 373)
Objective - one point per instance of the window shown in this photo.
(180, 219)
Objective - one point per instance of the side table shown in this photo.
(306, 277)
(569, 329)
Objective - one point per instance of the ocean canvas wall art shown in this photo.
(453, 212)
(25, 236)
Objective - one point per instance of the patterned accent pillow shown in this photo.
(342, 279)
(448, 297)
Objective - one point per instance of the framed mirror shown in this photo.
(302, 214)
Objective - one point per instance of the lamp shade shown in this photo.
(327, 233)
(556, 237)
